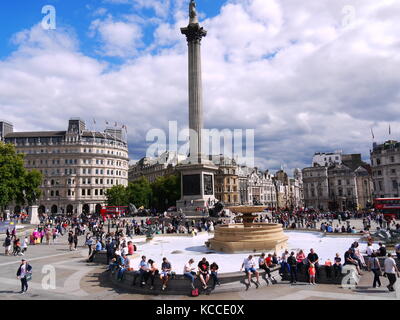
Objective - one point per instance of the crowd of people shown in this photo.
(120, 248)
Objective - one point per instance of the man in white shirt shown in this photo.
(391, 271)
(249, 266)
(370, 250)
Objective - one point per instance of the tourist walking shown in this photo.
(375, 267)
(7, 245)
(70, 240)
(24, 273)
(89, 243)
(75, 241)
(25, 245)
(391, 271)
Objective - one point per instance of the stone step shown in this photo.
(233, 282)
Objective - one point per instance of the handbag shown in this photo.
(195, 292)
(28, 277)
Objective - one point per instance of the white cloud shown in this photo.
(291, 72)
(118, 38)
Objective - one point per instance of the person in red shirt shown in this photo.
(131, 248)
(268, 261)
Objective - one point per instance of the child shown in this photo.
(311, 272)
(25, 245)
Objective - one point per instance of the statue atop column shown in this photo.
(193, 13)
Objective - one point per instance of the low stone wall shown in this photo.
(100, 257)
(327, 234)
(179, 285)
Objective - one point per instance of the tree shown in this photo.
(140, 192)
(16, 183)
(117, 196)
(166, 191)
(30, 191)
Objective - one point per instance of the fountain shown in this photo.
(248, 236)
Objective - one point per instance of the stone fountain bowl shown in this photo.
(247, 210)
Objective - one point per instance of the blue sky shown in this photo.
(306, 78)
(17, 15)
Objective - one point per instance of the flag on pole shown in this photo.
(372, 132)
(390, 130)
(94, 120)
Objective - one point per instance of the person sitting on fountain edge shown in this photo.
(249, 266)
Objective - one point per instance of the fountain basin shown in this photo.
(236, 238)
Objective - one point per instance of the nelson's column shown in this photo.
(197, 173)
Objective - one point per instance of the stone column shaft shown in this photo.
(194, 33)
(195, 99)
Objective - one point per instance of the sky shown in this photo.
(312, 77)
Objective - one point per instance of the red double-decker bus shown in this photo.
(112, 211)
(390, 207)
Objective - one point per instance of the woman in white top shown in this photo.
(188, 272)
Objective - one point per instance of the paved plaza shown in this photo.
(65, 275)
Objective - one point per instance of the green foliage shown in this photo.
(140, 193)
(161, 194)
(117, 196)
(16, 183)
(166, 191)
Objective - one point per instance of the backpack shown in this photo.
(195, 292)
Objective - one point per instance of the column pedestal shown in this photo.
(197, 182)
(33, 215)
